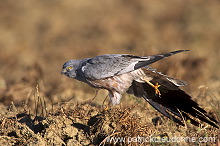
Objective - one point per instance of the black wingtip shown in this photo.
(154, 58)
(174, 52)
(178, 51)
(171, 53)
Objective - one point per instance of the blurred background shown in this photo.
(37, 37)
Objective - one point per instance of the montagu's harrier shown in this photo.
(119, 73)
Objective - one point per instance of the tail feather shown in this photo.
(163, 110)
(174, 104)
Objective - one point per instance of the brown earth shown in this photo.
(41, 107)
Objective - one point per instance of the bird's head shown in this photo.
(70, 67)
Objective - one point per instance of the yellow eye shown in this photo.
(69, 68)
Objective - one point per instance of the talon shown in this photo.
(156, 86)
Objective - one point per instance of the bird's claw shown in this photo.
(156, 86)
(157, 91)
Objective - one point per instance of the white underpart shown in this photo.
(137, 75)
(140, 76)
(115, 97)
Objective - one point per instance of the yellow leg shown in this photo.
(106, 108)
(156, 86)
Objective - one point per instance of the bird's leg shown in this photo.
(96, 93)
(105, 108)
(156, 86)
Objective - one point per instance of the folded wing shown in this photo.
(115, 64)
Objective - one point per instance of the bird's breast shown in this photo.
(119, 83)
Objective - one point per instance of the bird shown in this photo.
(125, 73)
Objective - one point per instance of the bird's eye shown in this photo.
(69, 68)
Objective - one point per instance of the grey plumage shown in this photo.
(113, 64)
(120, 73)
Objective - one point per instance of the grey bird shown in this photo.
(120, 73)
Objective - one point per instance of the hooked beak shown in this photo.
(63, 71)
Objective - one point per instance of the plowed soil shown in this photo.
(39, 106)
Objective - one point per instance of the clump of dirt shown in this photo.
(117, 122)
(39, 106)
(15, 132)
(59, 128)
(85, 124)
